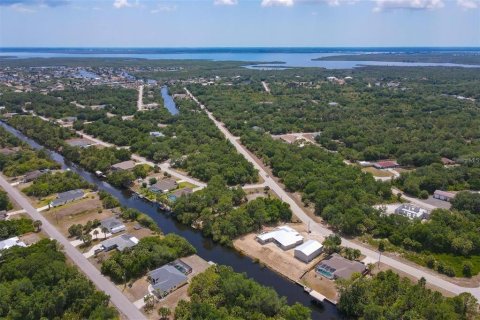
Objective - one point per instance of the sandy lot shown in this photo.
(320, 284)
(274, 257)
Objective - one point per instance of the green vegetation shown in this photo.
(467, 201)
(436, 176)
(108, 201)
(142, 219)
(24, 161)
(387, 296)
(37, 283)
(5, 203)
(342, 194)
(56, 182)
(222, 213)
(220, 293)
(148, 254)
(15, 227)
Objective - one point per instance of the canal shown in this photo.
(206, 248)
(168, 101)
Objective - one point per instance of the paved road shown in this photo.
(140, 98)
(116, 297)
(317, 228)
(265, 86)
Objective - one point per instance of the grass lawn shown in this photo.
(456, 262)
(186, 184)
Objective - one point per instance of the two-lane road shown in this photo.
(102, 283)
(317, 228)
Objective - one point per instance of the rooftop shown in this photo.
(309, 247)
(341, 267)
(284, 235)
(111, 223)
(11, 242)
(166, 278)
(120, 242)
(68, 196)
(125, 165)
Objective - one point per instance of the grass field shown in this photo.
(377, 173)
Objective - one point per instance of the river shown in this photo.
(168, 101)
(206, 248)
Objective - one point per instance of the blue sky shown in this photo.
(204, 23)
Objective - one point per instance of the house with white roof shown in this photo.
(11, 242)
(284, 237)
(308, 251)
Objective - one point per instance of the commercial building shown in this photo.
(308, 251)
(120, 242)
(113, 225)
(337, 266)
(412, 212)
(284, 237)
(67, 196)
(443, 195)
(166, 279)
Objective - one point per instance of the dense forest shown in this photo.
(15, 227)
(387, 296)
(220, 293)
(150, 253)
(5, 203)
(37, 283)
(25, 160)
(223, 214)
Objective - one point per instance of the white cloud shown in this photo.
(469, 4)
(271, 3)
(382, 5)
(121, 4)
(21, 8)
(164, 8)
(225, 2)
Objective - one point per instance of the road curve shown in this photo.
(315, 227)
(116, 297)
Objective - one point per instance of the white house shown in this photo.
(11, 242)
(412, 212)
(308, 251)
(284, 237)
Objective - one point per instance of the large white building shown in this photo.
(308, 251)
(284, 237)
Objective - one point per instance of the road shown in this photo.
(265, 86)
(140, 98)
(317, 228)
(116, 297)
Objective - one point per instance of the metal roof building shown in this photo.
(308, 251)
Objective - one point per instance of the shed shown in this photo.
(443, 195)
(308, 251)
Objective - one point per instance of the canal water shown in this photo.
(206, 248)
(168, 101)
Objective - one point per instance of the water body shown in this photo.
(168, 101)
(268, 57)
(206, 248)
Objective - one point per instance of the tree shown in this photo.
(152, 181)
(95, 233)
(332, 244)
(86, 238)
(467, 269)
(75, 230)
(105, 231)
(149, 300)
(37, 224)
(164, 313)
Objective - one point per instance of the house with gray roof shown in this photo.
(67, 196)
(164, 186)
(337, 266)
(125, 165)
(113, 225)
(120, 242)
(32, 175)
(166, 279)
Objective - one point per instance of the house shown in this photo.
(308, 251)
(166, 279)
(156, 134)
(387, 164)
(284, 237)
(120, 242)
(113, 225)
(32, 175)
(125, 165)
(11, 242)
(447, 162)
(336, 266)
(80, 142)
(67, 196)
(444, 195)
(177, 194)
(164, 185)
(412, 212)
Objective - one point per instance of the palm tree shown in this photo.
(105, 231)
(37, 224)
(95, 233)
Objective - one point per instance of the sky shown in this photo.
(239, 23)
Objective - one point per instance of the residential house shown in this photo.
(412, 212)
(32, 175)
(164, 186)
(336, 266)
(387, 164)
(284, 237)
(125, 165)
(67, 196)
(166, 279)
(113, 225)
(120, 242)
(178, 193)
(11, 242)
